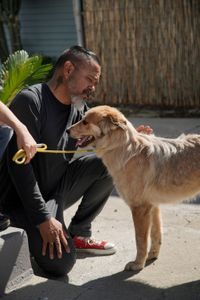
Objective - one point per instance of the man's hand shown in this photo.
(144, 129)
(53, 235)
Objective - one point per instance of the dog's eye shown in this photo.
(85, 122)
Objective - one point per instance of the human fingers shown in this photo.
(28, 157)
(44, 248)
(51, 250)
(144, 129)
(64, 241)
(58, 247)
(148, 129)
(140, 128)
(33, 150)
(30, 152)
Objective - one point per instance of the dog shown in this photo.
(146, 170)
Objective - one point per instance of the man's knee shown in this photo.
(57, 267)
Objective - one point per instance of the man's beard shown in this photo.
(78, 101)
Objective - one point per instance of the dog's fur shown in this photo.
(147, 170)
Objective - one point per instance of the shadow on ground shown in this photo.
(115, 287)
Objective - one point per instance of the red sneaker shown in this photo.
(89, 245)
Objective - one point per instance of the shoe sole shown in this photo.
(5, 225)
(96, 251)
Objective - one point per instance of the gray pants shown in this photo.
(86, 178)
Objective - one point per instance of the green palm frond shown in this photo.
(19, 71)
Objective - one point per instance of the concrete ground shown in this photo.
(175, 275)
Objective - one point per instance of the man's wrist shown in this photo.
(19, 128)
(47, 219)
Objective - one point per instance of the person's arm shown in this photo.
(24, 139)
(27, 109)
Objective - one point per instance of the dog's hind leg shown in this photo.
(142, 221)
(156, 234)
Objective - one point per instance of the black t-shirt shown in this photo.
(47, 120)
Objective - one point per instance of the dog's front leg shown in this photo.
(142, 221)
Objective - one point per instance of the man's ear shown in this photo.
(68, 68)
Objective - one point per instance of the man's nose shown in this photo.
(91, 89)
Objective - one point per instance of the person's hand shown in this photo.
(26, 142)
(144, 129)
(53, 235)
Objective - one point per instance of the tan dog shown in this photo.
(146, 170)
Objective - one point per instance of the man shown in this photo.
(34, 195)
(24, 140)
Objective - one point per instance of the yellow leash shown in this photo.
(20, 156)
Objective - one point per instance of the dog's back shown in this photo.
(157, 170)
(144, 167)
(176, 164)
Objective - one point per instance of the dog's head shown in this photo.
(98, 127)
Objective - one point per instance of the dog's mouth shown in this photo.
(84, 141)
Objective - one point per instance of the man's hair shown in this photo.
(77, 55)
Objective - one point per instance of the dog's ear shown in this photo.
(109, 123)
(118, 122)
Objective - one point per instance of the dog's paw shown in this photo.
(152, 255)
(134, 266)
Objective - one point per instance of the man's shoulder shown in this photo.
(33, 90)
(27, 97)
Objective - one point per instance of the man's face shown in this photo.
(83, 80)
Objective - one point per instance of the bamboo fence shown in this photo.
(149, 51)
